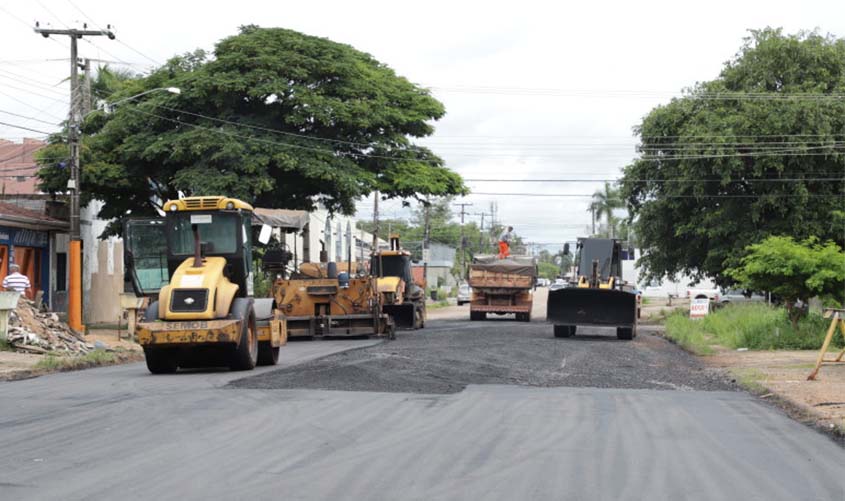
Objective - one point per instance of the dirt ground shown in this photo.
(16, 365)
(784, 373)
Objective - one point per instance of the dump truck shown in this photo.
(401, 297)
(320, 301)
(598, 295)
(196, 265)
(502, 286)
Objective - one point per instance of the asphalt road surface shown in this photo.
(671, 430)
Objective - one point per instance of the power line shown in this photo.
(118, 41)
(24, 128)
(578, 195)
(28, 118)
(646, 180)
(627, 94)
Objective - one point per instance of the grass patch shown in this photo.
(753, 326)
(95, 358)
(439, 304)
(751, 379)
(5, 346)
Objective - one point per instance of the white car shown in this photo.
(464, 294)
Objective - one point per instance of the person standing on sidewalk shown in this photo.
(504, 243)
(15, 281)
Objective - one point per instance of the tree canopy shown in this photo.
(756, 152)
(273, 116)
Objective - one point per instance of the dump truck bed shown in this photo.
(502, 286)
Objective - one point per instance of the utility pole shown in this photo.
(426, 239)
(375, 222)
(86, 103)
(463, 240)
(593, 213)
(74, 307)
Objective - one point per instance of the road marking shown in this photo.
(563, 363)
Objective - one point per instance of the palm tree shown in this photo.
(603, 204)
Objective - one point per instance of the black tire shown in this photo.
(626, 333)
(523, 317)
(564, 330)
(161, 360)
(477, 315)
(267, 354)
(245, 355)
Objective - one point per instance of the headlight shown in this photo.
(230, 205)
(173, 207)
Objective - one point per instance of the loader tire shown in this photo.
(267, 354)
(564, 330)
(160, 360)
(626, 333)
(245, 355)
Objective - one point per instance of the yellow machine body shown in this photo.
(209, 277)
(322, 307)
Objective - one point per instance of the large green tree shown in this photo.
(742, 157)
(275, 117)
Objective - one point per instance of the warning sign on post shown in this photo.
(699, 308)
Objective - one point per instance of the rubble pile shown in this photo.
(42, 332)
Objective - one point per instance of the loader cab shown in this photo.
(156, 247)
(606, 251)
(395, 262)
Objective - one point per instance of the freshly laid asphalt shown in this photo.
(582, 418)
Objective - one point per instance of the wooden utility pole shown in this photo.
(463, 240)
(375, 222)
(74, 307)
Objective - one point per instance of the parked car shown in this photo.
(739, 296)
(711, 294)
(464, 294)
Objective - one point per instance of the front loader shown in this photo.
(402, 298)
(598, 296)
(196, 265)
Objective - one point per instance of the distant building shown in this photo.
(17, 166)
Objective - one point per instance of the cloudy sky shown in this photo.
(533, 90)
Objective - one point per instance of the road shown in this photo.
(120, 432)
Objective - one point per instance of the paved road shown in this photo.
(120, 433)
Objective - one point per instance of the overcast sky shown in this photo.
(542, 90)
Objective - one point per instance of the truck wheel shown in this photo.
(477, 315)
(245, 354)
(564, 330)
(267, 354)
(160, 360)
(625, 333)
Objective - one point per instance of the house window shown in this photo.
(61, 271)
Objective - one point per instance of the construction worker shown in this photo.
(504, 243)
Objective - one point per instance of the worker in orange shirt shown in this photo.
(504, 243)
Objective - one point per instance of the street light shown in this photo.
(74, 307)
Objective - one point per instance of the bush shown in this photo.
(753, 326)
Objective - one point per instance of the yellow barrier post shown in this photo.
(836, 320)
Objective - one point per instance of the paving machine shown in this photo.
(598, 296)
(402, 298)
(319, 300)
(196, 265)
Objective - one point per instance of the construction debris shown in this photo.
(35, 331)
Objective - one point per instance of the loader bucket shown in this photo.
(583, 306)
(403, 314)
